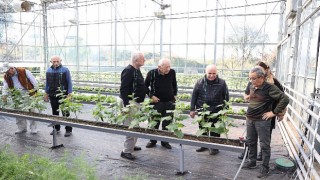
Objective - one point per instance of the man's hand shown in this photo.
(69, 96)
(46, 97)
(281, 115)
(155, 99)
(192, 114)
(268, 115)
(246, 97)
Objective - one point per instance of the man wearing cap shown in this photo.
(22, 79)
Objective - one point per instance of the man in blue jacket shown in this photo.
(58, 77)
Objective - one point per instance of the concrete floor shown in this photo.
(103, 150)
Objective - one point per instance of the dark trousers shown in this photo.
(162, 108)
(54, 101)
(259, 129)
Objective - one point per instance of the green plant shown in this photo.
(203, 115)
(16, 98)
(153, 117)
(133, 110)
(67, 105)
(35, 167)
(242, 111)
(225, 122)
(176, 124)
(33, 102)
(99, 111)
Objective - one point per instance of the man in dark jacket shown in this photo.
(163, 91)
(210, 90)
(260, 111)
(132, 82)
(58, 79)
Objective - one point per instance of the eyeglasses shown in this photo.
(254, 79)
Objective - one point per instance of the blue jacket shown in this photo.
(58, 77)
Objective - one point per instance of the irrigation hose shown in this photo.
(243, 160)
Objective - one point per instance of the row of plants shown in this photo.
(234, 81)
(180, 96)
(112, 112)
(27, 166)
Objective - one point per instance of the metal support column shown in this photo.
(181, 163)
(54, 139)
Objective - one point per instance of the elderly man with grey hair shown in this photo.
(132, 82)
(162, 89)
(260, 112)
(213, 91)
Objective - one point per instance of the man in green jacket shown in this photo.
(259, 114)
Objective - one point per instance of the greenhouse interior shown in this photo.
(230, 89)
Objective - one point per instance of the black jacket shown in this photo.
(132, 82)
(212, 93)
(162, 86)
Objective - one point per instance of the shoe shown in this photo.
(264, 172)
(151, 144)
(127, 156)
(20, 131)
(213, 151)
(201, 149)
(68, 133)
(249, 165)
(259, 157)
(57, 131)
(242, 155)
(34, 131)
(166, 145)
(137, 148)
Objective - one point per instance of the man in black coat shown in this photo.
(132, 82)
(162, 90)
(211, 90)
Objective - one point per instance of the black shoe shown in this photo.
(249, 165)
(259, 157)
(166, 145)
(213, 151)
(128, 156)
(68, 133)
(151, 144)
(201, 149)
(264, 172)
(242, 155)
(137, 148)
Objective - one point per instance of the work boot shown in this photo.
(68, 133)
(137, 148)
(201, 149)
(213, 151)
(20, 131)
(127, 156)
(249, 165)
(242, 155)
(166, 145)
(151, 144)
(264, 172)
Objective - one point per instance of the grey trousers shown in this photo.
(129, 142)
(261, 129)
(22, 123)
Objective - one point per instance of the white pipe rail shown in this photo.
(294, 135)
